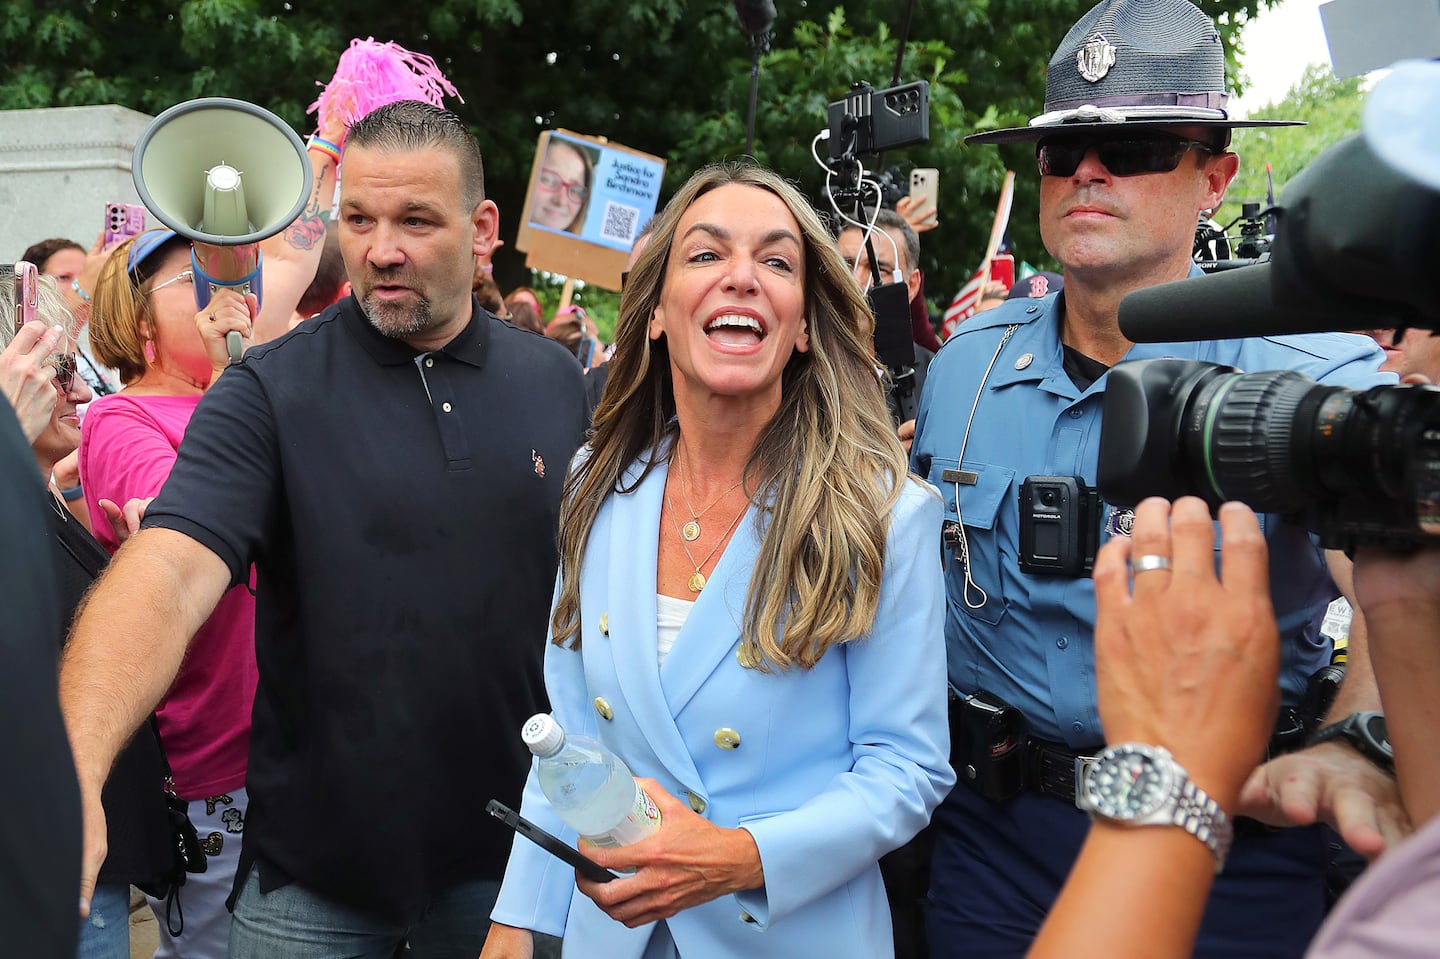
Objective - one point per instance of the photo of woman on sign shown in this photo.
(562, 188)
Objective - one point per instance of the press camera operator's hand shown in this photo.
(1329, 783)
(689, 861)
(227, 311)
(27, 378)
(1399, 595)
(1182, 659)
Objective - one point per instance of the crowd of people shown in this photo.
(303, 603)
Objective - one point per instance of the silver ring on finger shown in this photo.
(1148, 562)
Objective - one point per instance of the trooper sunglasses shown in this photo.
(1128, 155)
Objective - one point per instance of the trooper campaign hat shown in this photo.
(1133, 64)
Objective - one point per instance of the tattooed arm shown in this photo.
(292, 255)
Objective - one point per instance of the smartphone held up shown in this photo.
(122, 221)
(925, 188)
(25, 293)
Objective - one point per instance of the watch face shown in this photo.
(1128, 784)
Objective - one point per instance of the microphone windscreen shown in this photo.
(1223, 306)
(756, 16)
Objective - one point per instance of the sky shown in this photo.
(1279, 44)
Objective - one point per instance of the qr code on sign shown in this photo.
(620, 221)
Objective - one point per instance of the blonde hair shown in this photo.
(50, 307)
(828, 464)
(120, 307)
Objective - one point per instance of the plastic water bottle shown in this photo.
(588, 786)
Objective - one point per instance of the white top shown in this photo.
(670, 615)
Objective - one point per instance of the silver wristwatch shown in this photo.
(1138, 785)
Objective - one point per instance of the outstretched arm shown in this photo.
(292, 256)
(1400, 596)
(124, 651)
(1331, 782)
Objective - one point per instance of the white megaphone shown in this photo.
(224, 174)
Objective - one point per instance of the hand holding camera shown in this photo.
(1180, 689)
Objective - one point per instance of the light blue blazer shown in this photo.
(834, 767)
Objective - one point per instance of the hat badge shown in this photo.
(1095, 58)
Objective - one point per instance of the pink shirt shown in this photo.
(127, 449)
(1393, 911)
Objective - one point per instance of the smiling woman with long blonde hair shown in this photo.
(749, 604)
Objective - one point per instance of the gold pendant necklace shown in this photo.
(697, 580)
(690, 532)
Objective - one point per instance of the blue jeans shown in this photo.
(106, 933)
(293, 923)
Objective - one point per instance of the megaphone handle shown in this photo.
(235, 345)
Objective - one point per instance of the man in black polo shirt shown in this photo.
(393, 469)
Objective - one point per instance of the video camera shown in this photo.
(1358, 246)
(866, 123)
(1217, 248)
(869, 122)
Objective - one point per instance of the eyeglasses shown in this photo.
(184, 276)
(65, 365)
(1122, 156)
(552, 181)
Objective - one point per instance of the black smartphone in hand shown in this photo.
(588, 867)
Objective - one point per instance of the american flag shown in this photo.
(961, 308)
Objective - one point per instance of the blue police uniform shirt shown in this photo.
(1028, 638)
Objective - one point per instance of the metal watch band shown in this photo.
(1184, 804)
(1202, 817)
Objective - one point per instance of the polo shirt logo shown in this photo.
(539, 464)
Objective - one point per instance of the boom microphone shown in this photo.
(756, 16)
(1356, 248)
(1232, 304)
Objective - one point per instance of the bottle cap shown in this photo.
(543, 735)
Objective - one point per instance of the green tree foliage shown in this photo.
(663, 76)
(1330, 109)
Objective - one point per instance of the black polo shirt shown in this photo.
(401, 511)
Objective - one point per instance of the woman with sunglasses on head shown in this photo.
(138, 836)
(748, 606)
(562, 188)
(144, 324)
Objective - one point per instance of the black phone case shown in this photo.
(588, 867)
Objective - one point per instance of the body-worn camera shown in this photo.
(1352, 467)
(870, 121)
(1059, 526)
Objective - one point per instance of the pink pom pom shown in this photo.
(372, 74)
